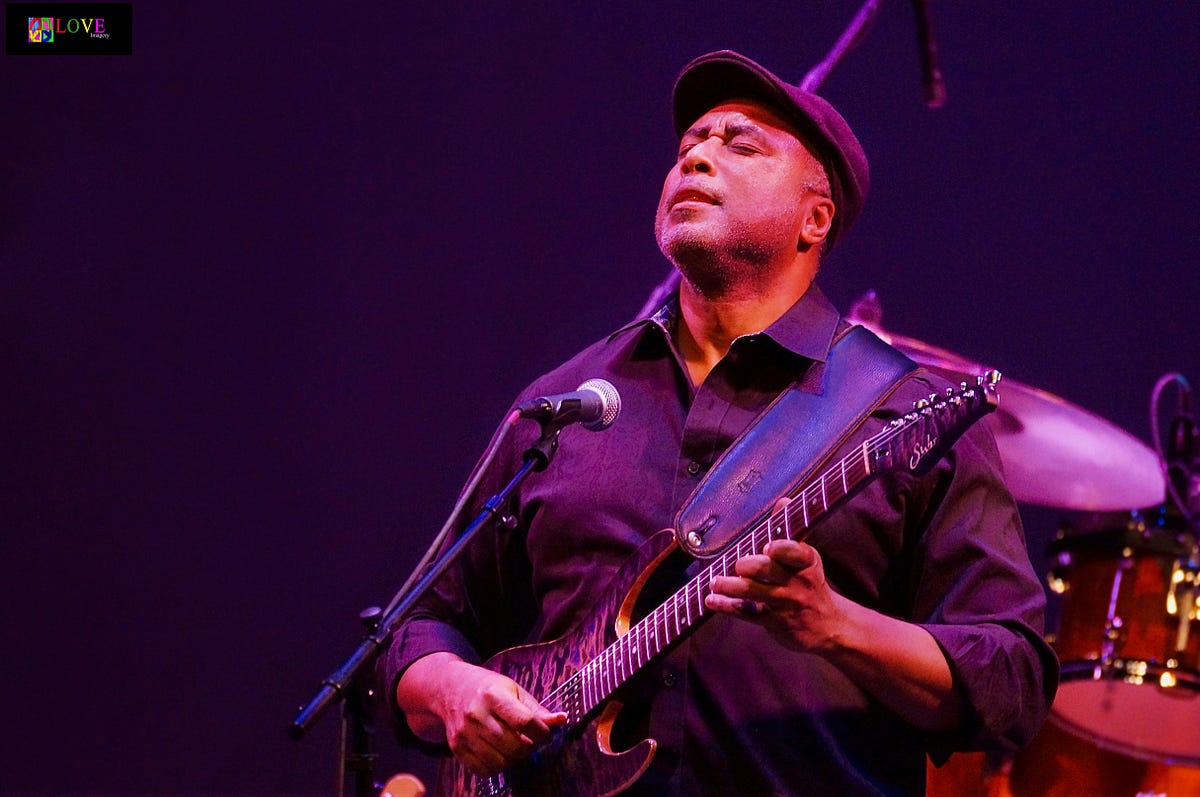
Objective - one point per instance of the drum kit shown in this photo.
(1125, 573)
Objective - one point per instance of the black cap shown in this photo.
(725, 75)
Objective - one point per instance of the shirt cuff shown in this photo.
(417, 639)
(1004, 676)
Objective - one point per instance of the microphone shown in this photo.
(595, 405)
(931, 73)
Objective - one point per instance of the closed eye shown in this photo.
(738, 144)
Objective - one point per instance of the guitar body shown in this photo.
(579, 761)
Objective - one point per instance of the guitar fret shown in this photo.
(600, 677)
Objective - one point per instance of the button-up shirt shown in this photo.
(733, 711)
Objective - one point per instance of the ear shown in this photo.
(817, 221)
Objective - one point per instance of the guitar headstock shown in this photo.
(918, 439)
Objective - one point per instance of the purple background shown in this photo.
(269, 284)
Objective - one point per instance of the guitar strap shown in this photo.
(789, 440)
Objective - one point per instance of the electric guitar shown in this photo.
(579, 673)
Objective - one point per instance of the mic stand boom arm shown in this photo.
(343, 682)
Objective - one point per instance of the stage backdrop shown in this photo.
(270, 282)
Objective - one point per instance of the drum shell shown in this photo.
(1086, 569)
(1127, 685)
(1060, 764)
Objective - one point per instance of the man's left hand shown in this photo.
(784, 590)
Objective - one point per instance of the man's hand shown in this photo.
(488, 720)
(784, 590)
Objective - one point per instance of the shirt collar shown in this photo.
(806, 329)
(808, 326)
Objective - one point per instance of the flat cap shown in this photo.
(725, 75)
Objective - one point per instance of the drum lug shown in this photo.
(1183, 597)
(1057, 578)
(1183, 600)
(1114, 636)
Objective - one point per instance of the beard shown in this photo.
(738, 258)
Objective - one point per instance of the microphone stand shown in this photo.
(348, 682)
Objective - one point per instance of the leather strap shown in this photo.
(789, 440)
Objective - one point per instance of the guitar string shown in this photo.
(583, 683)
(749, 542)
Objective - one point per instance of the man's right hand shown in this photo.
(488, 720)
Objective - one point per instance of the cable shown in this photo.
(1156, 438)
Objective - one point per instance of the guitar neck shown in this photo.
(910, 442)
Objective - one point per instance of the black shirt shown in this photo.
(732, 711)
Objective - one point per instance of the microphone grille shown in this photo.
(610, 400)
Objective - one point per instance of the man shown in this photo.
(908, 623)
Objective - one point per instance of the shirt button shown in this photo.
(693, 467)
(669, 679)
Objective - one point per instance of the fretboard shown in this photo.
(596, 681)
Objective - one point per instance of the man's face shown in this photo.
(740, 187)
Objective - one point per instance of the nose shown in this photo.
(699, 157)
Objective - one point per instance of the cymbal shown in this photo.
(1054, 453)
